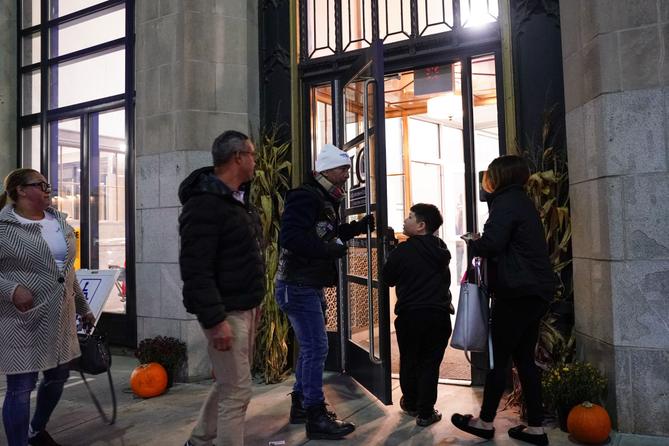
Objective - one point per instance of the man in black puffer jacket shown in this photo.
(223, 271)
(312, 239)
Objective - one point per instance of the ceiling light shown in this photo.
(446, 107)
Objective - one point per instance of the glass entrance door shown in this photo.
(365, 321)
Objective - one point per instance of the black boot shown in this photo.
(322, 425)
(298, 414)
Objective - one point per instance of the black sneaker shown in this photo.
(42, 439)
(433, 418)
(408, 411)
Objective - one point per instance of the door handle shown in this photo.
(368, 210)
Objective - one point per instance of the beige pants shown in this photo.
(225, 407)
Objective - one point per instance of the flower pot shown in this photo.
(562, 415)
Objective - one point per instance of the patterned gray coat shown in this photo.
(44, 336)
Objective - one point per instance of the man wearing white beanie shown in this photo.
(312, 239)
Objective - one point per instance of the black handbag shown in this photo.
(95, 359)
(95, 355)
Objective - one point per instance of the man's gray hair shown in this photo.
(226, 145)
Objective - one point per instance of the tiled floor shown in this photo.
(168, 419)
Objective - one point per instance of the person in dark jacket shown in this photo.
(418, 268)
(223, 271)
(312, 238)
(523, 285)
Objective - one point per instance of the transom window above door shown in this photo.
(322, 34)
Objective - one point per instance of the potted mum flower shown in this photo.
(565, 385)
(166, 351)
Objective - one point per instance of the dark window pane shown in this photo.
(30, 49)
(90, 31)
(30, 91)
(30, 12)
(59, 8)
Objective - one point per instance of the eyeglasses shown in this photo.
(43, 185)
(253, 154)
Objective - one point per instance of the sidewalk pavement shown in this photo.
(167, 420)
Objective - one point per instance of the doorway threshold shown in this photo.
(452, 382)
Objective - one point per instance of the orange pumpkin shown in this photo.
(589, 423)
(148, 380)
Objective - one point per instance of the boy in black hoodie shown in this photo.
(418, 268)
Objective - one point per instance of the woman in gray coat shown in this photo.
(39, 296)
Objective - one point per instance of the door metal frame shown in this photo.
(332, 70)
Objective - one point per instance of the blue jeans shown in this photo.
(16, 408)
(305, 308)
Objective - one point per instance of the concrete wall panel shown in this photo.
(640, 307)
(640, 57)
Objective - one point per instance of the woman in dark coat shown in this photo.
(522, 283)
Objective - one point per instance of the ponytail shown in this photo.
(3, 199)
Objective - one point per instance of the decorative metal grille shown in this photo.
(331, 312)
(357, 24)
(359, 307)
(321, 26)
(395, 20)
(435, 16)
(331, 27)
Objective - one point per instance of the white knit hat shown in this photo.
(331, 157)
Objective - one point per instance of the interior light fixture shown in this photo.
(447, 107)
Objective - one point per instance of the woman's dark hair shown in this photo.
(16, 178)
(507, 170)
(428, 214)
(226, 145)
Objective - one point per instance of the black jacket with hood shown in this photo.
(221, 258)
(418, 268)
(513, 239)
(310, 224)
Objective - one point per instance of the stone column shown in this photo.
(616, 72)
(8, 86)
(196, 76)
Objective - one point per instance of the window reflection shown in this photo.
(108, 159)
(66, 177)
